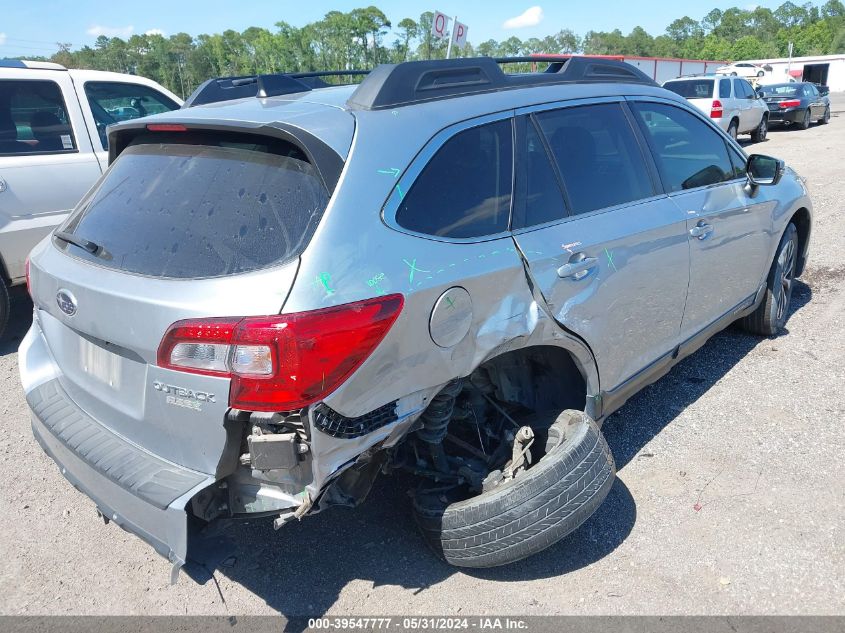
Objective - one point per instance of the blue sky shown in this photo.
(33, 26)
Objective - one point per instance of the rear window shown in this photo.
(691, 88)
(780, 91)
(188, 206)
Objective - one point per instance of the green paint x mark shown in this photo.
(413, 268)
(450, 302)
(610, 259)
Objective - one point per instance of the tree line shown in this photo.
(365, 37)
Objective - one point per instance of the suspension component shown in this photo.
(435, 421)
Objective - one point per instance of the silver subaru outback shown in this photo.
(446, 272)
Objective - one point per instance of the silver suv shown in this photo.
(447, 272)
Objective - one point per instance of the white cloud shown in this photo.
(155, 32)
(2, 38)
(110, 31)
(530, 17)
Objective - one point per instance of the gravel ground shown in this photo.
(729, 497)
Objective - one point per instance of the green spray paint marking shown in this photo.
(413, 268)
(401, 195)
(610, 259)
(450, 302)
(326, 280)
(392, 171)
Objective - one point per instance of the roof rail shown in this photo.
(25, 63)
(394, 85)
(271, 85)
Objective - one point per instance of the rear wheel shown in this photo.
(770, 316)
(826, 118)
(760, 73)
(805, 121)
(533, 510)
(733, 129)
(760, 132)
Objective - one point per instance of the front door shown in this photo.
(607, 251)
(46, 161)
(728, 230)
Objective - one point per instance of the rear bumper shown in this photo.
(140, 492)
(785, 116)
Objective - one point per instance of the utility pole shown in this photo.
(451, 37)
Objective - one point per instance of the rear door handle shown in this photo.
(577, 269)
(701, 230)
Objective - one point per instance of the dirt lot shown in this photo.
(729, 498)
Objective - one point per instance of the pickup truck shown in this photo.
(53, 148)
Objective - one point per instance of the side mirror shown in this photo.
(764, 170)
(823, 90)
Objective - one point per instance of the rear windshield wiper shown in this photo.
(81, 242)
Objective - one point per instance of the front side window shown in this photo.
(688, 152)
(112, 102)
(465, 189)
(597, 155)
(33, 118)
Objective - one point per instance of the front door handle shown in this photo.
(701, 230)
(577, 269)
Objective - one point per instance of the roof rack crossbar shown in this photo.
(395, 85)
(268, 85)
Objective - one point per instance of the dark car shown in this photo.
(800, 103)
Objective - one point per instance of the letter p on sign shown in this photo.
(459, 34)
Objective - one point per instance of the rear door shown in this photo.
(46, 159)
(728, 230)
(743, 93)
(606, 249)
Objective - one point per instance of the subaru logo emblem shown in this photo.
(66, 302)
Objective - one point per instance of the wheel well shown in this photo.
(801, 220)
(539, 378)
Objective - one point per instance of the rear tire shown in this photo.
(770, 316)
(5, 306)
(733, 129)
(760, 73)
(805, 122)
(527, 514)
(760, 132)
(826, 118)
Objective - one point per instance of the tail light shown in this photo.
(28, 282)
(285, 361)
(790, 103)
(716, 109)
(166, 127)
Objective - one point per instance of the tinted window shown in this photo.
(33, 118)
(738, 161)
(745, 88)
(597, 155)
(541, 196)
(780, 91)
(691, 88)
(112, 102)
(182, 209)
(465, 189)
(688, 152)
(724, 88)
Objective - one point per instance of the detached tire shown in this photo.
(531, 512)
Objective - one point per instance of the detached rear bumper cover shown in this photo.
(141, 492)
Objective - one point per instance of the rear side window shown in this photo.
(465, 189)
(112, 102)
(691, 88)
(196, 206)
(688, 152)
(724, 88)
(597, 155)
(33, 118)
(540, 198)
